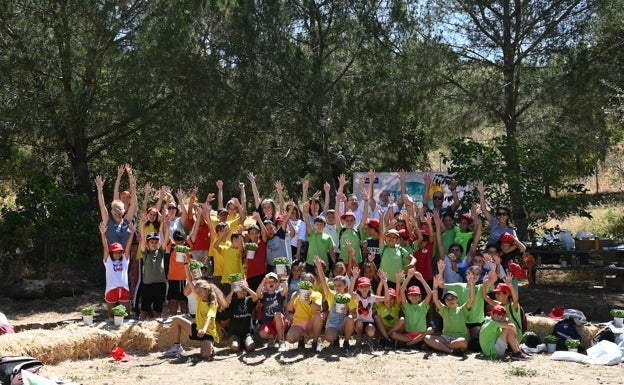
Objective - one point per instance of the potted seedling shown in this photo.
(551, 343)
(196, 267)
(119, 312)
(304, 289)
(281, 264)
(341, 301)
(87, 315)
(530, 339)
(236, 279)
(181, 251)
(618, 317)
(572, 344)
(251, 248)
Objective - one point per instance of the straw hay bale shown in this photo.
(76, 342)
(543, 326)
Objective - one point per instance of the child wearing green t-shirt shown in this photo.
(497, 333)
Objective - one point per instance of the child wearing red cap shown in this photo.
(506, 296)
(414, 309)
(497, 333)
(116, 263)
(360, 289)
(387, 314)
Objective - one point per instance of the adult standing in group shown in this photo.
(500, 223)
(118, 219)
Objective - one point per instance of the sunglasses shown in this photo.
(171, 208)
(437, 198)
(501, 214)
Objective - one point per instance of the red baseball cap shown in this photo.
(517, 270)
(347, 214)
(362, 281)
(498, 309)
(424, 230)
(403, 233)
(115, 247)
(507, 238)
(502, 287)
(557, 313)
(413, 290)
(392, 292)
(374, 223)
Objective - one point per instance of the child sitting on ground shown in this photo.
(454, 338)
(497, 333)
(414, 309)
(209, 298)
(360, 289)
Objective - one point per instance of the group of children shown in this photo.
(365, 270)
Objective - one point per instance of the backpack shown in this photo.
(522, 323)
(565, 330)
(11, 367)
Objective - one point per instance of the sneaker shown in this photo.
(457, 352)
(270, 344)
(389, 344)
(282, 346)
(336, 343)
(174, 351)
(346, 345)
(301, 345)
(519, 356)
(316, 347)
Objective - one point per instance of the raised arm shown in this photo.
(372, 203)
(103, 228)
(128, 248)
(306, 217)
(219, 184)
(182, 207)
(120, 171)
(424, 283)
(427, 180)
(436, 285)
(254, 189)
(472, 279)
(243, 195)
(487, 282)
(355, 273)
(438, 234)
(134, 205)
(99, 183)
(146, 192)
(327, 189)
(453, 188)
(484, 210)
(320, 275)
(279, 188)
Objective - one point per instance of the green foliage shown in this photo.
(48, 228)
(119, 311)
(572, 343)
(541, 172)
(550, 339)
(522, 371)
(88, 311)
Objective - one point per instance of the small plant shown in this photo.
(234, 277)
(305, 285)
(251, 246)
(280, 261)
(572, 343)
(617, 313)
(88, 311)
(119, 311)
(194, 265)
(550, 339)
(182, 249)
(342, 298)
(522, 371)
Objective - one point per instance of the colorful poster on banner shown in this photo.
(414, 183)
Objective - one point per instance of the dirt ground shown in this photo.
(331, 366)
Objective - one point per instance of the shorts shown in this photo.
(449, 339)
(118, 294)
(176, 290)
(335, 320)
(153, 296)
(413, 335)
(501, 347)
(302, 325)
(194, 336)
(269, 327)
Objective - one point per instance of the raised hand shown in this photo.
(342, 180)
(481, 188)
(326, 187)
(120, 170)
(194, 191)
(103, 228)
(241, 185)
(279, 187)
(251, 177)
(219, 184)
(99, 182)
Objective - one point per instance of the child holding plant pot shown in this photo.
(274, 322)
(176, 276)
(116, 263)
(209, 300)
(231, 254)
(240, 308)
(338, 321)
(256, 268)
(306, 304)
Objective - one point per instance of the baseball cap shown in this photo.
(374, 223)
(115, 247)
(392, 292)
(393, 231)
(506, 238)
(152, 236)
(272, 275)
(413, 290)
(516, 270)
(424, 230)
(450, 292)
(362, 281)
(179, 235)
(502, 287)
(347, 214)
(498, 309)
(557, 313)
(403, 233)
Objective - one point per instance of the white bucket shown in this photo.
(87, 319)
(280, 269)
(117, 321)
(251, 254)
